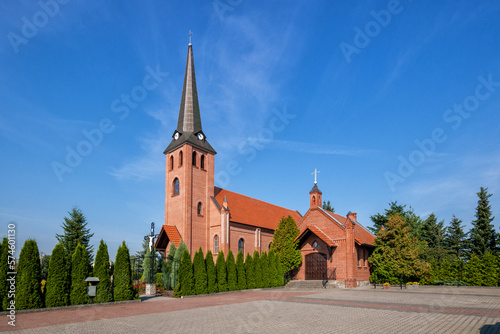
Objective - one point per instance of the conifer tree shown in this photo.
(257, 269)
(221, 272)
(284, 245)
(122, 275)
(240, 270)
(200, 273)
(265, 270)
(28, 288)
(490, 270)
(473, 271)
(412, 220)
(482, 235)
(102, 271)
(79, 272)
(146, 265)
(186, 280)
(211, 273)
(174, 276)
(167, 268)
(58, 280)
(250, 272)
(454, 239)
(75, 232)
(273, 270)
(4, 268)
(232, 278)
(397, 254)
(280, 272)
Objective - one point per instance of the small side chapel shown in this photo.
(216, 219)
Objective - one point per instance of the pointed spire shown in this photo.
(189, 112)
(189, 128)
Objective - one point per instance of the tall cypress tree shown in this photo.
(265, 270)
(122, 275)
(79, 271)
(200, 273)
(76, 232)
(257, 270)
(211, 273)
(166, 268)
(102, 271)
(146, 265)
(284, 245)
(58, 283)
(221, 272)
(280, 272)
(186, 274)
(4, 256)
(232, 279)
(482, 235)
(250, 272)
(28, 288)
(273, 270)
(240, 270)
(174, 275)
(454, 239)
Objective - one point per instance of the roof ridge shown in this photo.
(255, 199)
(324, 233)
(326, 212)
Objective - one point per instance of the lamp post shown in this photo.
(150, 288)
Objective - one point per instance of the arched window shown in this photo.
(216, 244)
(199, 208)
(241, 246)
(194, 158)
(202, 162)
(314, 200)
(176, 186)
(180, 158)
(171, 162)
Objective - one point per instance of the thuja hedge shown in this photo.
(204, 276)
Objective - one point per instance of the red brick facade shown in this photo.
(216, 219)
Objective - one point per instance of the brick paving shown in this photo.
(362, 310)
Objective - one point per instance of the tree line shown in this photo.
(409, 248)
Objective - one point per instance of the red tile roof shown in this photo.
(320, 234)
(251, 211)
(171, 233)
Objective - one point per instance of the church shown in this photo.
(333, 247)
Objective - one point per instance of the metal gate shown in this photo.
(315, 266)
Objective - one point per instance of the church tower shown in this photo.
(189, 181)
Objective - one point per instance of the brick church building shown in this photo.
(206, 216)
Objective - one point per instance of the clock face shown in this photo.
(200, 136)
(176, 136)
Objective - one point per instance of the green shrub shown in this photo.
(273, 271)
(4, 256)
(257, 268)
(221, 272)
(186, 279)
(166, 268)
(58, 280)
(122, 276)
(265, 270)
(250, 273)
(211, 273)
(232, 279)
(79, 271)
(102, 271)
(174, 275)
(200, 273)
(240, 270)
(28, 289)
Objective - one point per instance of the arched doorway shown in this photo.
(315, 266)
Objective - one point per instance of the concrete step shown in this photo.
(313, 284)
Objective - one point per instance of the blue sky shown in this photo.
(389, 100)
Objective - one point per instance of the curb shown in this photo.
(48, 309)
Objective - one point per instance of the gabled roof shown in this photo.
(189, 121)
(251, 211)
(319, 233)
(167, 233)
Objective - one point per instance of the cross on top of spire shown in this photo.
(316, 172)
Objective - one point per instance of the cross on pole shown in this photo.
(190, 34)
(316, 172)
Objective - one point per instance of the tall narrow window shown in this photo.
(314, 200)
(199, 208)
(176, 186)
(194, 158)
(180, 158)
(241, 246)
(171, 162)
(202, 162)
(216, 244)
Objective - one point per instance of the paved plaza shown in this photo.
(362, 310)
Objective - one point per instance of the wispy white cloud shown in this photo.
(315, 148)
